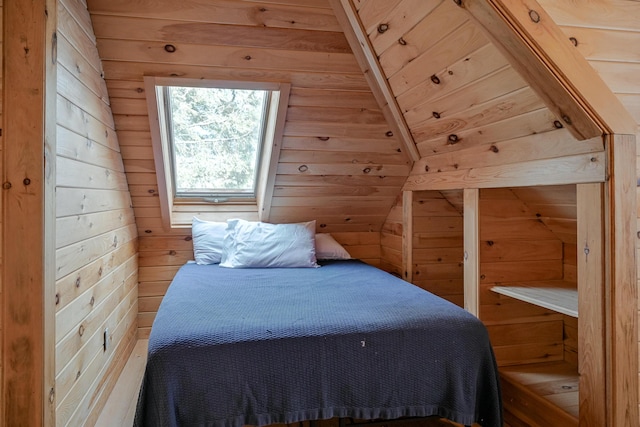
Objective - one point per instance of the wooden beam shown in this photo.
(363, 50)
(407, 235)
(620, 283)
(591, 304)
(471, 197)
(28, 222)
(543, 55)
(582, 168)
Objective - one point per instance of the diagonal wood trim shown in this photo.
(368, 61)
(538, 49)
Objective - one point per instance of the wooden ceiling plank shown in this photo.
(363, 51)
(538, 49)
(136, 28)
(228, 12)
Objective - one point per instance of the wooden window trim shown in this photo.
(274, 128)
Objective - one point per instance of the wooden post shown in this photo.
(620, 283)
(471, 197)
(28, 223)
(407, 235)
(591, 305)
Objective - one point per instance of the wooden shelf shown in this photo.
(556, 295)
(542, 393)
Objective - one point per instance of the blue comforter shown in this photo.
(231, 347)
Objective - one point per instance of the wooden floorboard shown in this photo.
(121, 405)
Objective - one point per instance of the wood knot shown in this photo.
(566, 119)
(458, 2)
(366, 170)
(77, 282)
(188, 238)
(151, 191)
(402, 41)
(323, 225)
(247, 58)
(57, 299)
(426, 168)
(169, 48)
(389, 134)
(453, 139)
(535, 16)
(490, 243)
(494, 149)
(148, 231)
(81, 330)
(574, 41)
(323, 138)
(92, 301)
(382, 28)
(303, 168)
(557, 124)
(436, 114)
(435, 79)
(172, 252)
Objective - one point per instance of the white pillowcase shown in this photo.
(208, 240)
(259, 244)
(328, 248)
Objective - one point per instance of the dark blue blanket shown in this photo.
(231, 347)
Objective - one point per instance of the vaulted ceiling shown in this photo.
(341, 162)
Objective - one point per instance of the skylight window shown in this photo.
(216, 137)
(214, 143)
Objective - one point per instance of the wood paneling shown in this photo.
(96, 239)
(340, 163)
(437, 244)
(516, 245)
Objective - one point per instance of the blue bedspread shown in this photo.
(231, 347)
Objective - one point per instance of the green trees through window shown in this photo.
(216, 137)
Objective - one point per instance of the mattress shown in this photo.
(231, 347)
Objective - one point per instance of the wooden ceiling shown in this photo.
(340, 162)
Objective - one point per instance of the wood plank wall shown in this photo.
(438, 244)
(354, 167)
(391, 241)
(96, 239)
(469, 112)
(518, 244)
(605, 33)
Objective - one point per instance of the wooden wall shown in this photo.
(96, 239)
(353, 167)
(606, 33)
(437, 244)
(517, 245)
(391, 240)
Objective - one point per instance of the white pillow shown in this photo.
(328, 248)
(259, 244)
(208, 240)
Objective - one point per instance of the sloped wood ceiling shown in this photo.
(607, 33)
(339, 163)
(466, 107)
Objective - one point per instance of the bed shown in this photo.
(231, 347)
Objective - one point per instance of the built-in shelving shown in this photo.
(556, 295)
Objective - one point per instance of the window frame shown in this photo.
(269, 153)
